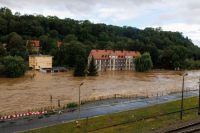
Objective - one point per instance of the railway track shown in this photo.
(191, 128)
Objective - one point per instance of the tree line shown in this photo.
(167, 49)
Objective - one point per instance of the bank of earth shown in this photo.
(151, 124)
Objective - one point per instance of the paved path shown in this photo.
(24, 124)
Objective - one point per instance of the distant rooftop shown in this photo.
(40, 55)
(34, 42)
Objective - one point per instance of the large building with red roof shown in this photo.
(35, 44)
(113, 60)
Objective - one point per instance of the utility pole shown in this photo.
(199, 97)
(182, 100)
(51, 101)
(182, 96)
(79, 103)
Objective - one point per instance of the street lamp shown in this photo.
(79, 102)
(182, 95)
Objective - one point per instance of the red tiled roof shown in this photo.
(104, 54)
(59, 43)
(36, 42)
(4, 44)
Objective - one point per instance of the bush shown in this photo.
(13, 67)
(13, 70)
(71, 105)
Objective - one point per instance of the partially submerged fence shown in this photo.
(122, 96)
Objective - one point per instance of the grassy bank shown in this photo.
(136, 114)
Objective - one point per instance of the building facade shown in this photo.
(40, 61)
(113, 60)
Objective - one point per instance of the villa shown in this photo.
(113, 60)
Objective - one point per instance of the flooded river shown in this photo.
(25, 93)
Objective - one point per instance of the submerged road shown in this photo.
(24, 124)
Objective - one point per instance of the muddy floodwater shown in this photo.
(25, 93)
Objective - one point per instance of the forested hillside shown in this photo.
(167, 49)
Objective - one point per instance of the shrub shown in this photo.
(13, 70)
(71, 105)
(13, 66)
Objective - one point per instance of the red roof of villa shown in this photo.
(36, 42)
(104, 54)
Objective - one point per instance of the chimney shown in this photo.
(122, 51)
(106, 50)
(128, 51)
(113, 50)
(97, 50)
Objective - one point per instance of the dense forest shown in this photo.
(167, 49)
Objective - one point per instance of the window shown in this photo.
(115, 60)
(121, 60)
(118, 64)
(121, 64)
(105, 64)
(108, 64)
(124, 60)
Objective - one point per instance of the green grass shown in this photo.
(125, 116)
(72, 105)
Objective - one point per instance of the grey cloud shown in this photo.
(187, 11)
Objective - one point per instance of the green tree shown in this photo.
(80, 67)
(92, 70)
(143, 63)
(13, 70)
(69, 38)
(14, 66)
(167, 59)
(26, 58)
(14, 51)
(2, 69)
(2, 51)
(29, 46)
(54, 33)
(74, 49)
(180, 53)
(15, 42)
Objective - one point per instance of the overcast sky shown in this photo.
(171, 15)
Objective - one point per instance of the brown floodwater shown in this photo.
(25, 93)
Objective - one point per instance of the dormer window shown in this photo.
(102, 55)
(105, 55)
(122, 56)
